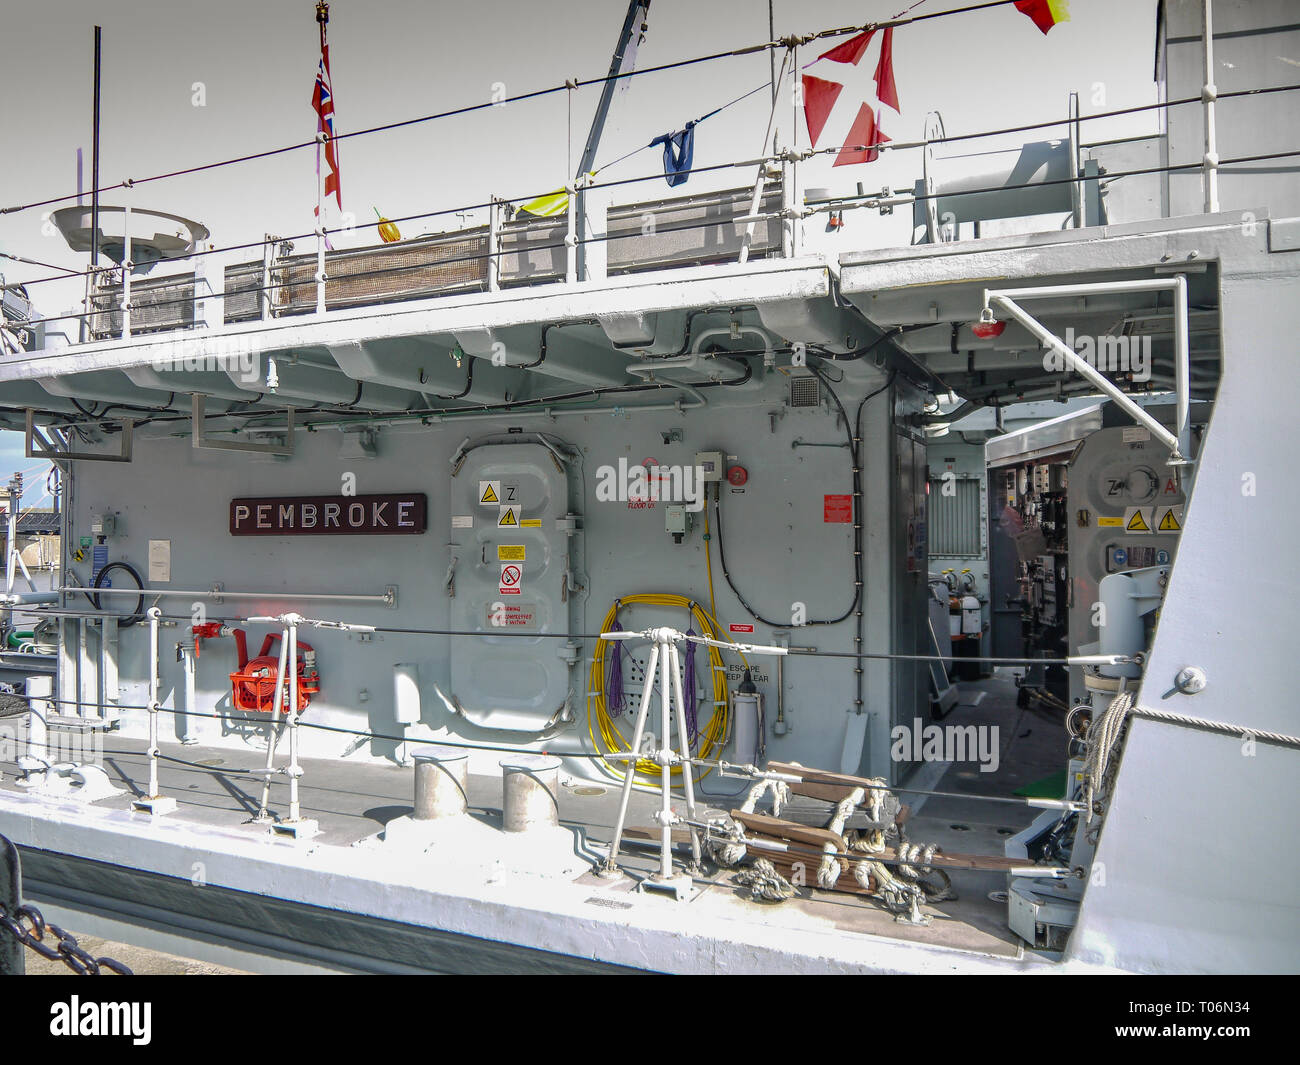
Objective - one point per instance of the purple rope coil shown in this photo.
(615, 697)
(688, 689)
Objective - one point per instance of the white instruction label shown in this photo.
(160, 561)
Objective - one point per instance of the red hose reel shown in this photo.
(252, 686)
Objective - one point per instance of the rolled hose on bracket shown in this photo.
(604, 733)
(122, 622)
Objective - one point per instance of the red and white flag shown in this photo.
(322, 99)
(861, 143)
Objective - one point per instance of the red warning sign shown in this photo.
(740, 628)
(837, 509)
(512, 615)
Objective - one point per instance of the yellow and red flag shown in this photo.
(1044, 13)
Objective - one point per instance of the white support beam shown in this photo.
(1179, 442)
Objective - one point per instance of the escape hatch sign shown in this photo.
(376, 515)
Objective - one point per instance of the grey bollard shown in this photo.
(441, 778)
(531, 785)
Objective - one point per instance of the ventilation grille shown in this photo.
(805, 391)
(157, 304)
(955, 520)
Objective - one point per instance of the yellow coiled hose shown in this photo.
(599, 721)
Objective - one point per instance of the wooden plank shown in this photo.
(983, 862)
(833, 793)
(778, 828)
(846, 883)
(821, 776)
(636, 832)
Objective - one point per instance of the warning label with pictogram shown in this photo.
(489, 493)
(511, 578)
(509, 518)
(1139, 519)
(1169, 519)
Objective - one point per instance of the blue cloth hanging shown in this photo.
(679, 147)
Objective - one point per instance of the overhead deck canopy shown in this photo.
(914, 306)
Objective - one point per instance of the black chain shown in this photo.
(31, 929)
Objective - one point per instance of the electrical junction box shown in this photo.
(104, 525)
(710, 464)
(678, 522)
(1039, 919)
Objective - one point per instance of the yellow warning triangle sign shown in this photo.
(1137, 523)
(508, 517)
(489, 496)
(1169, 523)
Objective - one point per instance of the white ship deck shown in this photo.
(442, 902)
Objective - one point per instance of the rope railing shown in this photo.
(67, 274)
(864, 200)
(274, 596)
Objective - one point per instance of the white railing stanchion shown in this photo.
(287, 688)
(264, 291)
(571, 235)
(611, 867)
(126, 273)
(675, 672)
(277, 705)
(295, 770)
(1209, 94)
(323, 139)
(664, 668)
(494, 246)
(154, 802)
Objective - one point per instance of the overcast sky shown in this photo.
(254, 64)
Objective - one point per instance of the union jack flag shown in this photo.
(322, 99)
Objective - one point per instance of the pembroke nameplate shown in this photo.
(329, 515)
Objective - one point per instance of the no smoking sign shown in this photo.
(511, 577)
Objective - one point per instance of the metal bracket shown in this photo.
(680, 887)
(156, 806)
(38, 447)
(301, 829)
(202, 442)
